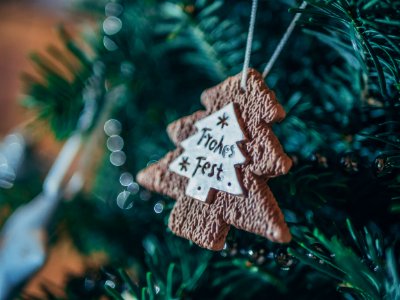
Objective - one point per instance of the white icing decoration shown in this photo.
(211, 155)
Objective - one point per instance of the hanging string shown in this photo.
(249, 44)
(283, 41)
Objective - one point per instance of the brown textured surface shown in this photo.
(207, 224)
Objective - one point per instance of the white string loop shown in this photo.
(249, 44)
(283, 41)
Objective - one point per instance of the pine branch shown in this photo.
(360, 270)
(209, 43)
(175, 271)
(361, 30)
(56, 91)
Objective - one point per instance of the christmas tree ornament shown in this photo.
(23, 238)
(219, 171)
(224, 157)
(22, 242)
(12, 153)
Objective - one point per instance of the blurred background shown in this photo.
(119, 71)
(27, 27)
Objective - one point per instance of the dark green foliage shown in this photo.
(55, 92)
(365, 33)
(208, 42)
(370, 277)
(338, 79)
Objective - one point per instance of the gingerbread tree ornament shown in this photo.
(218, 173)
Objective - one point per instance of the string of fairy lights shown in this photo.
(112, 25)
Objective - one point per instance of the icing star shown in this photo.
(223, 121)
(184, 163)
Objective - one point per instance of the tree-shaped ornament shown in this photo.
(218, 173)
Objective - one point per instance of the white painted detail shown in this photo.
(211, 155)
